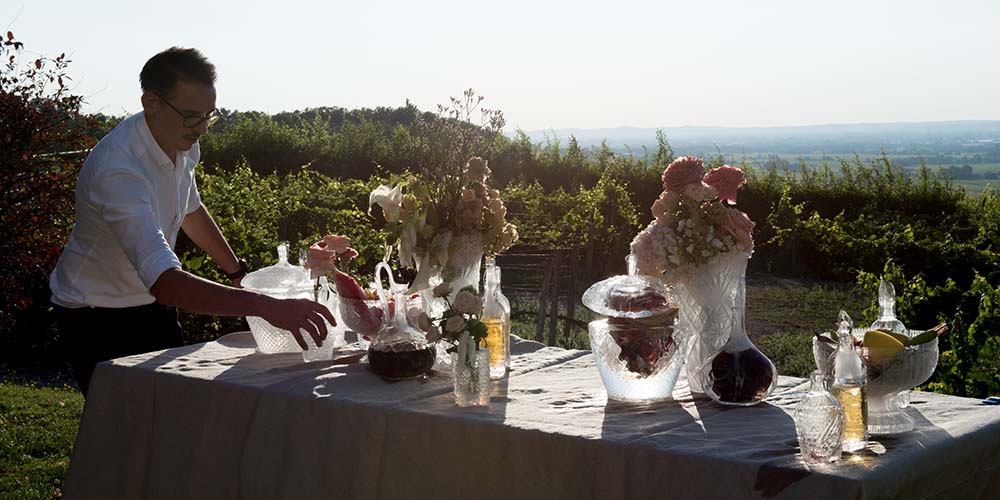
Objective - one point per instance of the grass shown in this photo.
(38, 424)
(37, 429)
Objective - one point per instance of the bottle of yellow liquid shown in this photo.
(496, 317)
(850, 375)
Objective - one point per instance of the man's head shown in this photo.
(178, 97)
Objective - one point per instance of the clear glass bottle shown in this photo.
(819, 423)
(887, 321)
(496, 316)
(850, 375)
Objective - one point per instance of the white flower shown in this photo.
(477, 169)
(467, 303)
(455, 324)
(390, 199)
(696, 191)
(496, 206)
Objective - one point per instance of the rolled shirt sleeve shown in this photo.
(125, 204)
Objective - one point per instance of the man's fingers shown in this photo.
(301, 341)
(317, 320)
(325, 311)
(312, 329)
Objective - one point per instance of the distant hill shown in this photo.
(924, 137)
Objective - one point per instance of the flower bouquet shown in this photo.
(442, 224)
(700, 241)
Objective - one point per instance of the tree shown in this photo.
(42, 140)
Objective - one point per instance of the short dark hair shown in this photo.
(161, 72)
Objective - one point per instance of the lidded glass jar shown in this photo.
(287, 281)
(635, 346)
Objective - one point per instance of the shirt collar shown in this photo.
(152, 148)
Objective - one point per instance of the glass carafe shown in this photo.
(399, 351)
(850, 376)
(739, 374)
(819, 423)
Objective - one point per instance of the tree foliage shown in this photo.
(41, 134)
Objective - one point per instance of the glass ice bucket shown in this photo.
(287, 281)
(638, 353)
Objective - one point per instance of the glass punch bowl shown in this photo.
(913, 366)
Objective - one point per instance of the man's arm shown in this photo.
(186, 291)
(201, 228)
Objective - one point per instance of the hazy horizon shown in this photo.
(551, 65)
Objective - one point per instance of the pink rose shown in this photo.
(740, 226)
(320, 261)
(682, 172)
(323, 253)
(339, 244)
(726, 180)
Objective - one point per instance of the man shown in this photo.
(118, 283)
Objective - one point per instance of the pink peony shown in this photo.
(726, 180)
(682, 172)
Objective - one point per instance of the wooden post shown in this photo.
(589, 264)
(571, 294)
(554, 297)
(540, 317)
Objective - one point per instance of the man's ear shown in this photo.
(149, 102)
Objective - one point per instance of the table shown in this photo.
(217, 420)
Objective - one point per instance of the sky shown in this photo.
(549, 64)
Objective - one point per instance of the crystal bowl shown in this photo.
(913, 366)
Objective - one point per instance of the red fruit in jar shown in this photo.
(634, 299)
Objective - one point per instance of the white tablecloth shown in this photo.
(218, 421)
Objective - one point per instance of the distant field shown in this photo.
(977, 186)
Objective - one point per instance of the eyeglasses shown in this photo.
(193, 120)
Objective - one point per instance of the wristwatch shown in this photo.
(239, 273)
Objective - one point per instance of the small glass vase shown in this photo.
(472, 373)
(819, 423)
(738, 374)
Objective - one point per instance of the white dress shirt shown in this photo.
(130, 201)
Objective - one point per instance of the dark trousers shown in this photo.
(94, 334)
